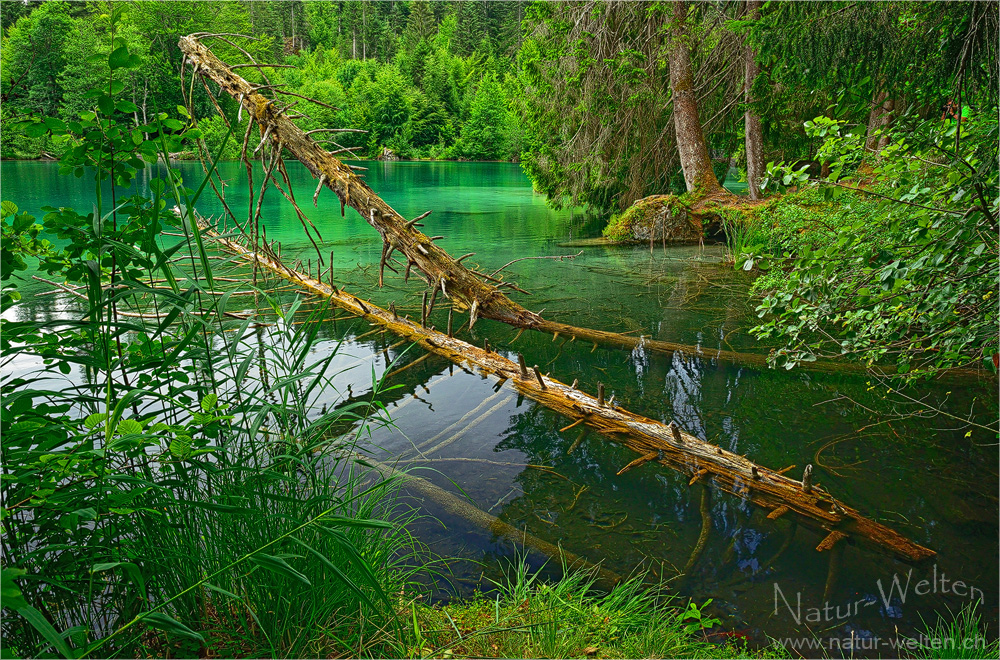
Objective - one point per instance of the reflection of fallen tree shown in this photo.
(477, 292)
(652, 440)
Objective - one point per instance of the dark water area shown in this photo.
(925, 476)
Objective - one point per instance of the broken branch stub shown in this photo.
(464, 286)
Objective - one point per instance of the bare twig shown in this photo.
(558, 257)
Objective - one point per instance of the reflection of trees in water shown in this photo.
(643, 517)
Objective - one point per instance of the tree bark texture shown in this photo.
(888, 108)
(695, 160)
(878, 122)
(753, 134)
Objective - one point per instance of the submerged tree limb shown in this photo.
(705, 509)
(674, 448)
(460, 508)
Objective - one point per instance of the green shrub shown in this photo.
(217, 137)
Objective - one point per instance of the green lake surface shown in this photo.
(921, 475)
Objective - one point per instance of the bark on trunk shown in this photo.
(695, 160)
(889, 107)
(878, 122)
(753, 134)
(654, 441)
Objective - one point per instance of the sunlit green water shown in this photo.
(923, 477)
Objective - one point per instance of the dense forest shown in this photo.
(574, 90)
(426, 80)
(186, 472)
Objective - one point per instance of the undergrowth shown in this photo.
(528, 618)
(172, 484)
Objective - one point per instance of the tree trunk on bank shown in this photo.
(753, 134)
(889, 107)
(878, 122)
(695, 161)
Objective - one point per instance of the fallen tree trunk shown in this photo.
(467, 289)
(441, 271)
(652, 440)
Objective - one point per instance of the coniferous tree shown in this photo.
(420, 24)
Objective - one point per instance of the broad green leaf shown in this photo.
(45, 629)
(23, 222)
(128, 426)
(93, 420)
(180, 447)
(105, 104)
(35, 130)
(7, 208)
(208, 402)
(118, 58)
(10, 593)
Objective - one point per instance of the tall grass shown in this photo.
(245, 495)
(746, 234)
(529, 618)
(170, 481)
(959, 636)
